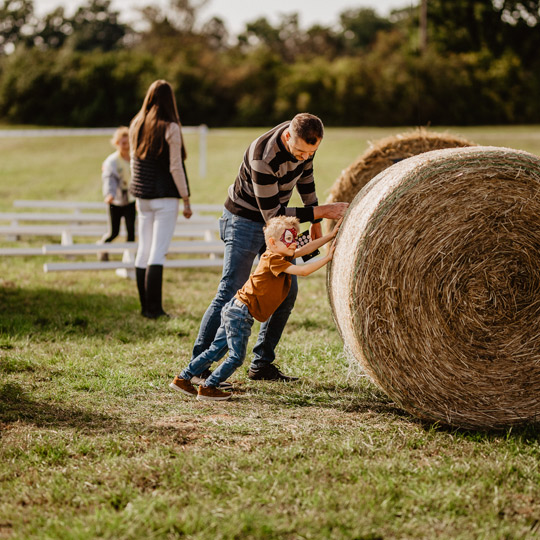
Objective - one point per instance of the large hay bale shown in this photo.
(384, 153)
(435, 285)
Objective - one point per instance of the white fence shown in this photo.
(197, 241)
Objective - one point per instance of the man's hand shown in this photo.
(109, 199)
(330, 211)
(315, 231)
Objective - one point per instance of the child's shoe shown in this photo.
(211, 393)
(183, 386)
(197, 381)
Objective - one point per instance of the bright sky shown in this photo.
(236, 13)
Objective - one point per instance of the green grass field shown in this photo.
(94, 445)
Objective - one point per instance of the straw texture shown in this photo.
(383, 153)
(435, 285)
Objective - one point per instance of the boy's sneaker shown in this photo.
(269, 372)
(183, 386)
(201, 379)
(211, 393)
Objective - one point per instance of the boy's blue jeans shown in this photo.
(232, 335)
(244, 240)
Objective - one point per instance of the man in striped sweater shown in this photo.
(274, 164)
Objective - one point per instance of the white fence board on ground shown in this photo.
(74, 222)
(115, 265)
(20, 251)
(16, 217)
(68, 232)
(199, 235)
(188, 247)
(77, 206)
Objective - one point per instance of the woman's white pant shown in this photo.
(157, 220)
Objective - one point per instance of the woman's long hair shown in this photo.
(148, 127)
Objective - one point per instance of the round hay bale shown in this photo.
(386, 152)
(435, 285)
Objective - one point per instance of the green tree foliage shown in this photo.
(53, 30)
(515, 11)
(285, 39)
(15, 19)
(522, 31)
(215, 34)
(359, 28)
(497, 26)
(96, 26)
(481, 65)
(464, 25)
(170, 31)
(73, 88)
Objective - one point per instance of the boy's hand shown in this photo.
(331, 250)
(336, 228)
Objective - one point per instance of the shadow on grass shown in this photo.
(528, 433)
(361, 400)
(17, 407)
(47, 313)
(43, 310)
(343, 397)
(310, 324)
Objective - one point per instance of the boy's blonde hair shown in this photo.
(276, 225)
(118, 134)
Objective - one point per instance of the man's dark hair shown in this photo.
(307, 127)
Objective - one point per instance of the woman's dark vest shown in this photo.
(151, 177)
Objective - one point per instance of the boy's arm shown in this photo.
(311, 267)
(314, 244)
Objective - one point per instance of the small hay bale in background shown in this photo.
(384, 153)
(435, 285)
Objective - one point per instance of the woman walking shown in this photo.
(158, 182)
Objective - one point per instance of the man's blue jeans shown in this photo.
(232, 335)
(244, 240)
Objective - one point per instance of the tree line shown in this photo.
(479, 64)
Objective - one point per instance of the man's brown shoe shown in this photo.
(183, 386)
(211, 393)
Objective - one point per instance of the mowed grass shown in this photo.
(94, 445)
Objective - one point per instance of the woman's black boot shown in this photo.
(140, 273)
(154, 283)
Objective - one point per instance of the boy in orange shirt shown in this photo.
(260, 296)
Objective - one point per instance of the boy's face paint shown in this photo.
(289, 237)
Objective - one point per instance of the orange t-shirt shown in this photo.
(267, 287)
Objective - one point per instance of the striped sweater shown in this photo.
(266, 179)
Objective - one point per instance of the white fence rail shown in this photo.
(197, 241)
